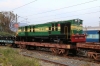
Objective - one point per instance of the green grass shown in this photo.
(7, 34)
(9, 56)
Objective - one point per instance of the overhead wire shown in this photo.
(63, 8)
(54, 9)
(70, 16)
(68, 12)
(24, 5)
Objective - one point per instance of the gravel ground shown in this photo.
(58, 59)
(43, 63)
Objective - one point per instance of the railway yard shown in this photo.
(61, 43)
(50, 33)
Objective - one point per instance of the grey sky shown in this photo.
(89, 12)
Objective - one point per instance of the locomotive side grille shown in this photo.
(53, 25)
(30, 28)
(52, 28)
(26, 29)
(33, 28)
(49, 28)
(56, 27)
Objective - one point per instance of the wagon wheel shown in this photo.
(54, 51)
(22, 46)
(66, 52)
(61, 51)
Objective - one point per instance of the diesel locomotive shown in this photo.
(68, 31)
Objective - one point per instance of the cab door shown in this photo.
(65, 29)
(26, 30)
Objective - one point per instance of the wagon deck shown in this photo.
(89, 45)
(50, 45)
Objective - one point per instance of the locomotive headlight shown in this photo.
(77, 20)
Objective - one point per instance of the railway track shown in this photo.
(46, 60)
(54, 62)
(58, 60)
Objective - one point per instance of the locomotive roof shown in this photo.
(52, 22)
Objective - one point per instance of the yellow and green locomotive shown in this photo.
(59, 31)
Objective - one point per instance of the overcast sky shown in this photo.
(42, 11)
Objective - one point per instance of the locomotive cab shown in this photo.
(73, 31)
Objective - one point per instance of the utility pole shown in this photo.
(16, 18)
(16, 25)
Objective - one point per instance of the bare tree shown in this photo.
(7, 19)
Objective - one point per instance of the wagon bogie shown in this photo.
(91, 50)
